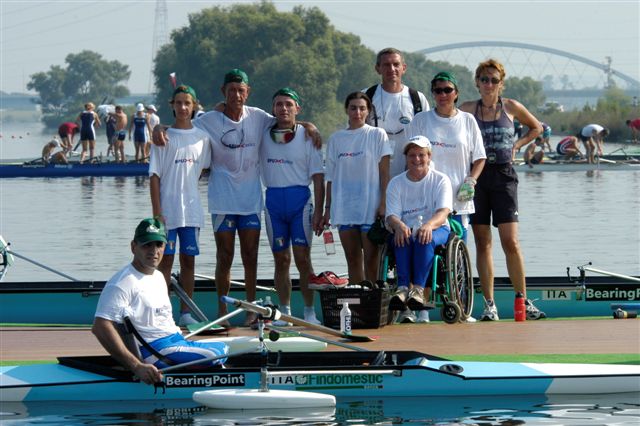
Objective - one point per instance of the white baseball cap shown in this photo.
(152, 107)
(139, 107)
(420, 141)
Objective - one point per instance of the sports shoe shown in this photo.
(533, 313)
(490, 312)
(398, 301)
(406, 317)
(326, 280)
(281, 323)
(310, 316)
(186, 319)
(423, 317)
(415, 301)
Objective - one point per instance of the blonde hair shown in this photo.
(490, 63)
(89, 105)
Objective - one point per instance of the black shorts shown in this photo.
(496, 196)
(584, 138)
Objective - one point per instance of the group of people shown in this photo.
(397, 160)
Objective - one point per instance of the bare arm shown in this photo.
(326, 218)
(517, 110)
(97, 118)
(477, 167)
(108, 336)
(154, 189)
(401, 232)
(312, 132)
(318, 197)
(425, 233)
(383, 170)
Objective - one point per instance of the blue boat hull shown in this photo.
(344, 374)
(73, 170)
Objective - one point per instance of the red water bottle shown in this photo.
(519, 310)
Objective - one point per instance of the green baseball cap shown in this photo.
(287, 91)
(183, 88)
(445, 76)
(150, 230)
(236, 76)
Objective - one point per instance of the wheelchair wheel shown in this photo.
(460, 276)
(450, 312)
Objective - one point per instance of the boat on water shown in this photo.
(74, 302)
(344, 374)
(573, 166)
(32, 169)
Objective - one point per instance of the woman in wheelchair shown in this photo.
(419, 193)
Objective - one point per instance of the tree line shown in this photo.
(299, 49)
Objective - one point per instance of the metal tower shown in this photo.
(160, 36)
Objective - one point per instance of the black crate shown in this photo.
(369, 308)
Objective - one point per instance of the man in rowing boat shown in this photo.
(139, 292)
(54, 152)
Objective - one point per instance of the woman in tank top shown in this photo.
(496, 197)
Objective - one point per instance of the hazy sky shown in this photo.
(35, 35)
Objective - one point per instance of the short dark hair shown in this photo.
(358, 95)
(388, 51)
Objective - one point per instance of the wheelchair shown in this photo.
(450, 278)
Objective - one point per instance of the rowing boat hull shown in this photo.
(73, 170)
(343, 374)
(75, 302)
(577, 167)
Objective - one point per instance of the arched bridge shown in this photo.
(606, 68)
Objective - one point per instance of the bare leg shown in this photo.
(302, 257)
(281, 276)
(371, 257)
(484, 258)
(187, 277)
(515, 264)
(92, 148)
(83, 154)
(352, 245)
(225, 242)
(165, 267)
(249, 239)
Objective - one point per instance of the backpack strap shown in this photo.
(372, 119)
(415, 100)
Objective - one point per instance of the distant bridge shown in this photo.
(606, 68)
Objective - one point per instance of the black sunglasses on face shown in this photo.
(493, 80)
(441, 90)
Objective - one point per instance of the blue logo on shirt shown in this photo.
(350, 154)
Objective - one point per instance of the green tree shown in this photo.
(86, 77)
(525, 90)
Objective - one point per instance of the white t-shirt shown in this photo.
(234, 181)
(407, 199)
(143, 298)
(352, 163)
(390, 109)
(456, 142)
(178, 165)
(289, 164)
(154, 120)
(591, 129)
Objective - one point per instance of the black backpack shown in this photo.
(372, 119)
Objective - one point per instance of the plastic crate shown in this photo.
(369, 308)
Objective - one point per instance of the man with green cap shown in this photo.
(288, 165)
(139, 292)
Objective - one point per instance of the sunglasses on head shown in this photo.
(486, 80)
(441, 90)
(282, 135)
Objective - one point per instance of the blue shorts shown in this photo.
(87, 135)
(288, 216)
(179, 350)
(231, 222)
(188, 236)
(122, 135)
(361, 228)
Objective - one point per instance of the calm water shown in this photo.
(618, 409)
(82, 226)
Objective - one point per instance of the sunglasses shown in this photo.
(282, 135)
(486, 80)
(441, 90)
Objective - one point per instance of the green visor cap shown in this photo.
(150, 230)
(236, 76)
(183, 88)
(287, 91)
(445, 76)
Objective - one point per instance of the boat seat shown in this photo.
(129, 340)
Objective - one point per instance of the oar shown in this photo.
(612, 274)
(214, 322)
(238, 283)
(267, 313)
(313, 337)
(18, 255)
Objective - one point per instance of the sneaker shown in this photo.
(310, 316)
(423, 317)
(415, 301)
(533, 313)
(406, 317)
(326, 280)
(490, 312)
(398, 301)
(186, 319)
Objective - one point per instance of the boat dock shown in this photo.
(575, 336)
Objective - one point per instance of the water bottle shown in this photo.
(345, 319)
(416, 227)
(519, 310)
(329, 245)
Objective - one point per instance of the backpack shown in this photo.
(372, 119)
